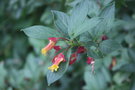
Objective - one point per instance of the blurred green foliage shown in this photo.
(22, 67)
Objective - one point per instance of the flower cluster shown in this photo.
(60, 57)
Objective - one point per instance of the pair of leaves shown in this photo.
(43, 32)
(108, 14)
(77, 16)
(73, 25)
(77, 23)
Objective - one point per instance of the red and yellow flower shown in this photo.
(56, 61)
(52, 42)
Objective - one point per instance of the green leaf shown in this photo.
(87, 25)
(2, 75)
(100, 79)
(46, 17)
(92, 50)
(108, 46)
(40, 32)
(105, 2)
(131, 53)
(119, 77)
(61, 22)
(85, 37)
(74, 3)
(99, 29)
(108, 14)
(119, 64)
(78, 16)
(94, 53)
(54, 76)
(129, 38)
(94, 8)
(106, 74)
(133, 85)
(128, 67)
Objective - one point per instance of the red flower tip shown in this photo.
(104, 37)
(90, 60)
(54, 39)
(81, 49)
(57, 48)
(73, 58)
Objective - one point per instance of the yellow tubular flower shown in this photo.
(56, 61)
(52, 42)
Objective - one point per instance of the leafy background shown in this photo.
(22, 67)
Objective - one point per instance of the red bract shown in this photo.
(90, 60)
(73, 58)
(81, 49)
(54, 39)
(104, 37)
(57, 48)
